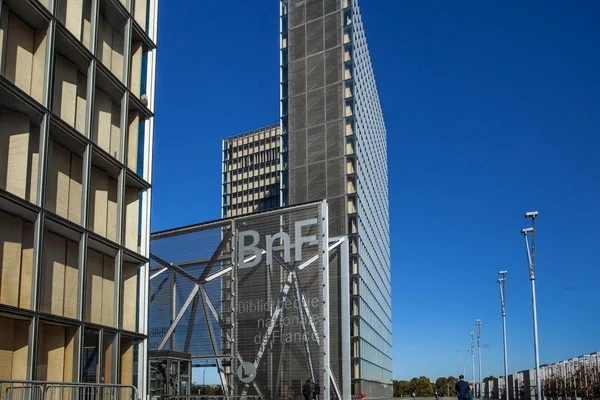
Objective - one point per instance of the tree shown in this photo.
(489, 378)
(441, 385)
(402, 389)
(422, 386)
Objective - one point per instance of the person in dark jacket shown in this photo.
(316, 390)
(307, 390)
(462, 389)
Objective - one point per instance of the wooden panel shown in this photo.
(65, 89)
(3, 36)
(26, 266)
(59, 169)
(75, 189)
(108, 357)
(103, 118)
(139, 12)
(105, 33)
(19, 53)
(7, 334)
(129, 296)
(34, 161)
(118, 42)
(112, 217)
(87, 25)
(20, 350)
(73, 17)
(70, 368)
(98, 201)
(108, 292)
(53, 347)
(115, 132)
(11, 229)
(132, 140)
(53, 274)
(80, 108)
(136, 68)
(14, 135)
(71, 280)
(126, 361)
(38, 68)
(132, 212)
(93, 282)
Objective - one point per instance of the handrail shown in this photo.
(45, 390)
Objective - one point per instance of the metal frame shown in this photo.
(199, 294)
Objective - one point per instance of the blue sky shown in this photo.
(492, 109)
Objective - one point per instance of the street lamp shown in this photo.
(502, 284)
(472, 334)
(462, 362)
(478, 323)
(531, 262)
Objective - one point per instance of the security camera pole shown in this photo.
(502, 284)
(473, 359)
(531, 261)
(478, 322)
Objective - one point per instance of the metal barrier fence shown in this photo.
(42, 390)
(206, 397)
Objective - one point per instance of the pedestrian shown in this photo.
(462, 389)
(316, 390)
(436, 395)
(414, 395)
(307, 390)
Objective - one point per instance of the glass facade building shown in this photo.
(76, 134)
(334, 143)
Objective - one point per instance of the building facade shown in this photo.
(334, 147)
(251, 171)
(76, 134)
(573, 378)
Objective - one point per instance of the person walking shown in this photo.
(462, 388)
(316, 390)
(307, 390)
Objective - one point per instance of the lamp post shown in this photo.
(502, 284)
(478, 322)
(531, 262)
(472, 334)
(462, 362)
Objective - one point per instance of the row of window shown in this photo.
(253, 142)
(62, 349)
(62, 270)
(258, 159)
(266, 203)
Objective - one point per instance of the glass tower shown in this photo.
(333, 142)
(76, 133)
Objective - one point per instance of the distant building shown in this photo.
(251, 171)
(574, 378)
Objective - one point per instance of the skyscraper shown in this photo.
(76, 134)
(334, 146)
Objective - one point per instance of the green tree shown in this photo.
(441, 385)
(451, 382)
(402, 389)
(489, 378)
(422, 386)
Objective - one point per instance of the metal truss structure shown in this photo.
(263, 323)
